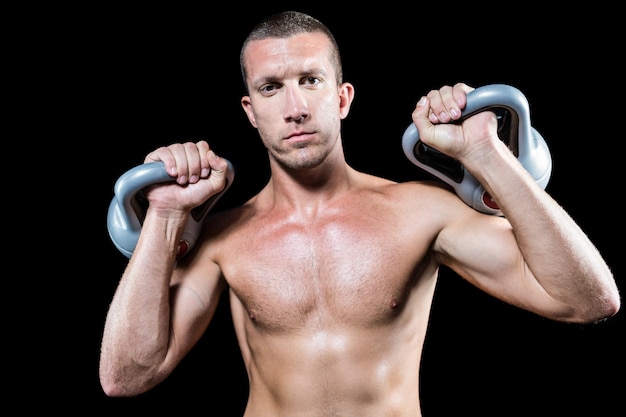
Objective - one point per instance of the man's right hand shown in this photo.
(199, 174)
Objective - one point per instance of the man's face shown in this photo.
(294, 100)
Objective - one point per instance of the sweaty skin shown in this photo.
(331, 272)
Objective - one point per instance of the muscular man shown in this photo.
(331, 272)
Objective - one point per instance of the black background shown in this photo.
(144, 77)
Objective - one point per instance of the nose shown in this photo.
(296, 108)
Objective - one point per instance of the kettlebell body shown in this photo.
(514, 129)
(128, 207)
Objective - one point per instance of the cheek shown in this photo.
(263, 121)
(330, 110)
(261, 115)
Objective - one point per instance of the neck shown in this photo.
(308, 189)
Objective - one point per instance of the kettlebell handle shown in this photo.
(514, 129)
(126, 213)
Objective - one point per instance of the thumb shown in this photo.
(442, 136)
(422, 122)
(219, 170)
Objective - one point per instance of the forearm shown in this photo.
(559, 254)
(137, 328)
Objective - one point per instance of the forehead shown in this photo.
(281, 57)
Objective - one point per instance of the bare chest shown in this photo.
(356, 268)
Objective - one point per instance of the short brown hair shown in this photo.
(285, 25)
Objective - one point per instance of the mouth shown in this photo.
(299, 136)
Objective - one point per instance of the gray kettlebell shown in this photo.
(511, 108)
(127, 209)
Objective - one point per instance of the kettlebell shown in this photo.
(514, 129)
(128, 207)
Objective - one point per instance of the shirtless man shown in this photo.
(331, 272)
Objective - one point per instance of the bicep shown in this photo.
(483, 250)
(194, 296)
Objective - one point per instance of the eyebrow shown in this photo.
(304, 73)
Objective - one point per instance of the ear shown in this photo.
(247, 107)
(346, 95)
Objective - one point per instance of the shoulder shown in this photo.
(424, 195)
(421, 202)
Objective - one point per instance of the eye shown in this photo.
(312, 81)
(268, 89)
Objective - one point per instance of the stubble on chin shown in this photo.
(299, 156)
